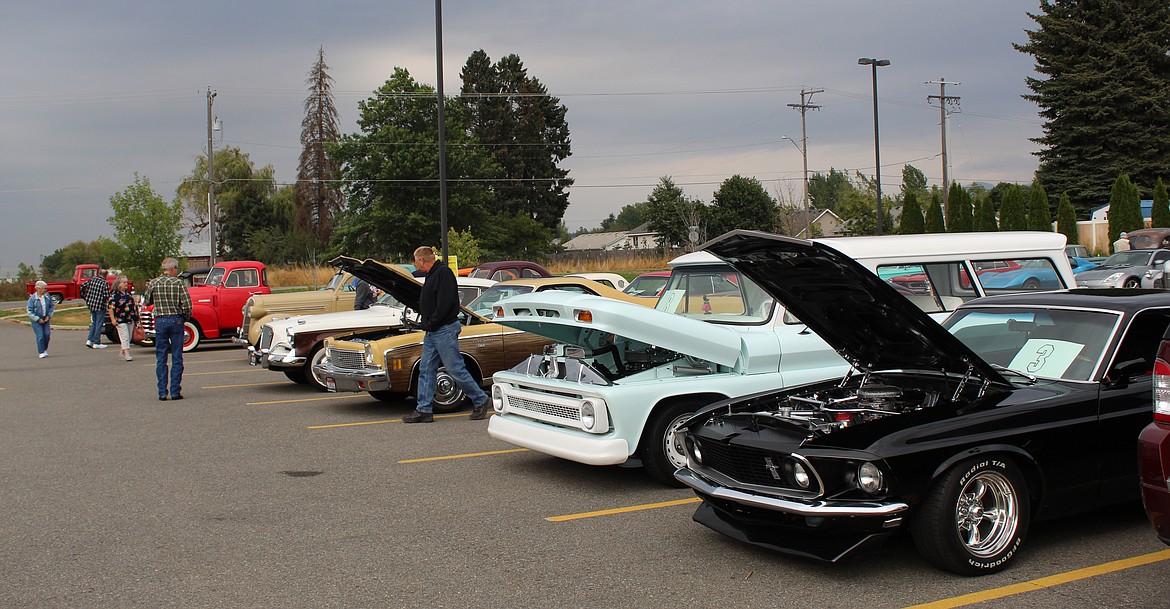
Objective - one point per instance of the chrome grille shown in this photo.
(244, 325)
(146, 320)
(265, 337)
(552, 410)
(347, 359)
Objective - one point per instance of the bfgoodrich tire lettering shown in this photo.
(975, 518)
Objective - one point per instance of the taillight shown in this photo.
(1162, 383)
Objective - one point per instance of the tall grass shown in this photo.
(299, 275)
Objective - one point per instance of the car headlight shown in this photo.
(695, 449)
(1113, 277)
(369, 353)
(869, 478)
(800, 475)
(588, 415)
(497, 398)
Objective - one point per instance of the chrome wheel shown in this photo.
(987, 514)
(448, 395)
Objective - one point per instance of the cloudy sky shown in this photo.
(94, 92)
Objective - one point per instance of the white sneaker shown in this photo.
(100, 346)
(43, 355)
(88, 344)
(128, 358)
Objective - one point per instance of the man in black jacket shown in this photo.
(439, 313)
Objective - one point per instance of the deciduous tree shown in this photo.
(148, 227)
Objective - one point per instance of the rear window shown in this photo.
(719, 295)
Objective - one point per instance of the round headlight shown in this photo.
(696, 451)
(497, 398)
(869, 478)
(588, 416)
(800, 475)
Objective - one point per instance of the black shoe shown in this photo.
(479, 413)
(418, 417)
(176, 397)
(162, 398)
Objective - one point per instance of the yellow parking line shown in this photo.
(330, 397)
(399, 420)
(466, 455)
(622, 510)
(245, 385)
(1046, 582)
(207, 361)
(223, 372)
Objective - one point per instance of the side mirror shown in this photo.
(1123, 371)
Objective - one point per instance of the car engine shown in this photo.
(838, 407)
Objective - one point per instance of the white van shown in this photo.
(621, 378)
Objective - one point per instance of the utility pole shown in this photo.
(943, 100)
(210, 176)
(804, 106)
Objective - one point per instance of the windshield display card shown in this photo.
(1045, 357)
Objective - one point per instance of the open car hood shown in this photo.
(866, 320)
(389, 278)
(553, 314)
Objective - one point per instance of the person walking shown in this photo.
(439, 317)
(172, 308)
(124, 313)
(40, 311)
(96, 293)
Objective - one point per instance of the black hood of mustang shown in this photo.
(861, 316)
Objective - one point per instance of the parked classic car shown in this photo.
(385, 362)
(1124, 269)
(963, 435)
(1148, 238)
(216, 303)
(612, 280)
(1154, 448)
(294, 345)
(507, 270)
(621, 379)
(648, 285)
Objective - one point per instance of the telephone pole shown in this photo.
(943, 100)
(804, 106)
(210, 175)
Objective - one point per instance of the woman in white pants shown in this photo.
(124, 313)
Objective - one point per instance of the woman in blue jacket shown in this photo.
(40, 310)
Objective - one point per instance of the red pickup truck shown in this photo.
(217, 304)
(61, 291)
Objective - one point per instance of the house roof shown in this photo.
(1146, 204)
(594, 241)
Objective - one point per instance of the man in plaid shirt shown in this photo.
(96, 293)
(172, 308)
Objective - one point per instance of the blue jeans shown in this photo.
(442, 347)
(41, 331)
(168, 338)
(97, 323)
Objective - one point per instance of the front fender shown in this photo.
(207, 318)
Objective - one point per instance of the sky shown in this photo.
(96, 92)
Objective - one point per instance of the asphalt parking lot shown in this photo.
(256, 492)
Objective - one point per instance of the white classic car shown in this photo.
(293, 345)
(621, 378)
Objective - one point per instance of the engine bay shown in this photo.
(827, 409)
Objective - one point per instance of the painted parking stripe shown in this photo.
(187, 361)
(360, 423)
(623, 510)
(185, 374)
(466, 455)
(1046, 582)
(245, 385)
(319, 399)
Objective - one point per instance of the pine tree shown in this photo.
(913, 222)
(934, 215)
(1160, 214)
(318, 199)
(1011, 214)
(1039, 214)
(1103, 86)
(985, 215)
(1066, 220)
(960, 214)
(1125, 208)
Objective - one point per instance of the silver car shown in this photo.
(1124, 269)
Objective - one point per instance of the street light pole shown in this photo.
(804, 155)
(877, 156)
(210, 176)
(804, 106)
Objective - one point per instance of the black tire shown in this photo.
(1132, 282)
(662, 451)
(111, 332)
(1032, 284)
(297, 376)
(975, 518)
(316, 356)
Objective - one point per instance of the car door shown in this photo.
(239, 285)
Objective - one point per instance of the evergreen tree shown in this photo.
(318, 199)
(1066, 220)
(1160, 214)
(985, 215)
(1039, 214)
(672, 214)
(934, 215)
(1125, 208)
(1012, 215)
(960, 217)
(1103, 86)
(913, 222)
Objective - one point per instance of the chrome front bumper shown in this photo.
(813, 508)
(340, 379)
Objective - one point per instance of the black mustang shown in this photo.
(1028, 408)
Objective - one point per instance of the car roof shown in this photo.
(1126, 300)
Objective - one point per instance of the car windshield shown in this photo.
(390, 301)
(719, 295)
(646, 285)
(215, 277)
(1128, 258)
(482, 306)
(1047, 343)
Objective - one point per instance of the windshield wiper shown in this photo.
(1031, 379)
